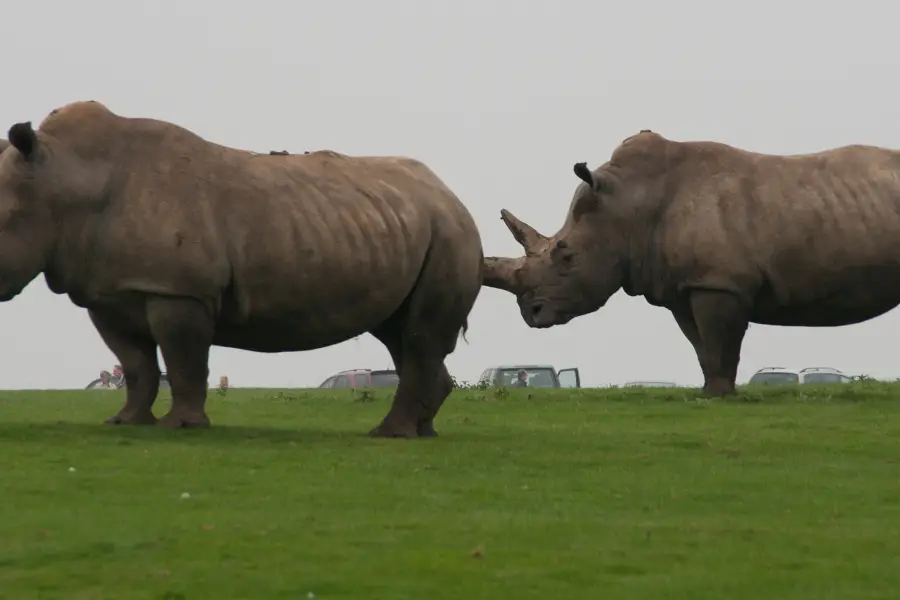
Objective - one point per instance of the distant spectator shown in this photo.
(223, 385)
(118, 376)
(521, 379)
(105, 381)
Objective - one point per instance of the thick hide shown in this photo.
(150, 227)
(722, 237)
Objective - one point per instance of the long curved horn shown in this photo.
(524, 233)
(500, 273)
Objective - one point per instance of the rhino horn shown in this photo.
(500, 273)
(524, 233)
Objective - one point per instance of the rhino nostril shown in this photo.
(535, 310)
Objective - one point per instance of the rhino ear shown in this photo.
(23, 138)
(587, 203)
(584, 173)
(598, 184)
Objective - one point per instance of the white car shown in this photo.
(782, 375)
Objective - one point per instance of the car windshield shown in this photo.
(541, 378)
(822, 378)
(385, 378)
(775, 377)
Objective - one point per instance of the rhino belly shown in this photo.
(318, 304)
(846, 295)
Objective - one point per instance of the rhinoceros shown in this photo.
(172, 241)
(721, 237)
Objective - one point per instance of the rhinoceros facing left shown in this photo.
(175, 242)
(720, 236)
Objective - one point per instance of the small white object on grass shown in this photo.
(310, 596)
(71, 469)
(185, 496)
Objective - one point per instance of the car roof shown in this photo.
(798, 371)
(522, 366)
(358, 371)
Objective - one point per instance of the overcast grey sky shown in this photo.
(500, 98)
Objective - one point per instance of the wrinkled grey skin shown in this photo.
(175, 243)
(722, 238)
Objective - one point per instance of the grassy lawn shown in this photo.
(620, 494)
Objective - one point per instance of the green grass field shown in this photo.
(621, 494)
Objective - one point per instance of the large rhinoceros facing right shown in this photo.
(175, 242)
(722, 238)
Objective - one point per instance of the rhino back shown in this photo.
(333, 242)
(788, 232)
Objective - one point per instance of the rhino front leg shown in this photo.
(685, 320)
(721, 324)
(137, 354)
(183, 328)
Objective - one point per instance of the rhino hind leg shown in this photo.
(422, 333)
(183, 328)
(415, 407)
(721, 325)
(137, 355)
(425, 426)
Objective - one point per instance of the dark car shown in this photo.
(362, 378)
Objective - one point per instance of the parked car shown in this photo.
(651, 384)
(362, 378)
(538, 376)
(786, 376)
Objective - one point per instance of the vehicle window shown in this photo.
(343, 381)
(775, 378)
(327, 383)
(822, 378)
(541, 378)
(385, 379)
(567, 379)
(361, 380)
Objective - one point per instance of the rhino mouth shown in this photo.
(541, 315)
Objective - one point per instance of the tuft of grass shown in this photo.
(776, 493)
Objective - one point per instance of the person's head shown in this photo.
(522, 374)
(223, 381)
(117, 370)
(104, 376)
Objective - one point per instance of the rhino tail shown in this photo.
(465, 328)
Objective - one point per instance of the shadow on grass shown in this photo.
(63, 432)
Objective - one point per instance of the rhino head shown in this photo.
(27, 219)
(575, 271)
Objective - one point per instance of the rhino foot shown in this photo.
(389, 430)
(138, 417)
(427, 429)
(184, 419)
